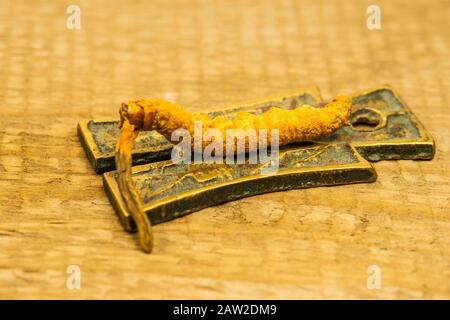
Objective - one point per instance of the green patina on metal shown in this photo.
(382, 127)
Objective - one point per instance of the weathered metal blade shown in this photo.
(169, 190)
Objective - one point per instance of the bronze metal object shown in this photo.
(381, 127)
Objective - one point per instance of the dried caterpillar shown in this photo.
(300, 124)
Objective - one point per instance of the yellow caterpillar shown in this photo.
(300, 124)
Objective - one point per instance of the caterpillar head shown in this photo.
(133, 113)
(145, 114)
(140, 113)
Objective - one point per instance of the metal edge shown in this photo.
(313, 91)
(88, 143)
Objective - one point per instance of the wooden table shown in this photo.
(314, 243)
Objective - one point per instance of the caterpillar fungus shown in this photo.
(300, 124)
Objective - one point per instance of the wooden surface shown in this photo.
(315, 243)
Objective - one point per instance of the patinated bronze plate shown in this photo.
(169, 190)
(99, 138)
(382, 127)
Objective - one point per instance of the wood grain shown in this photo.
(314, 243)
